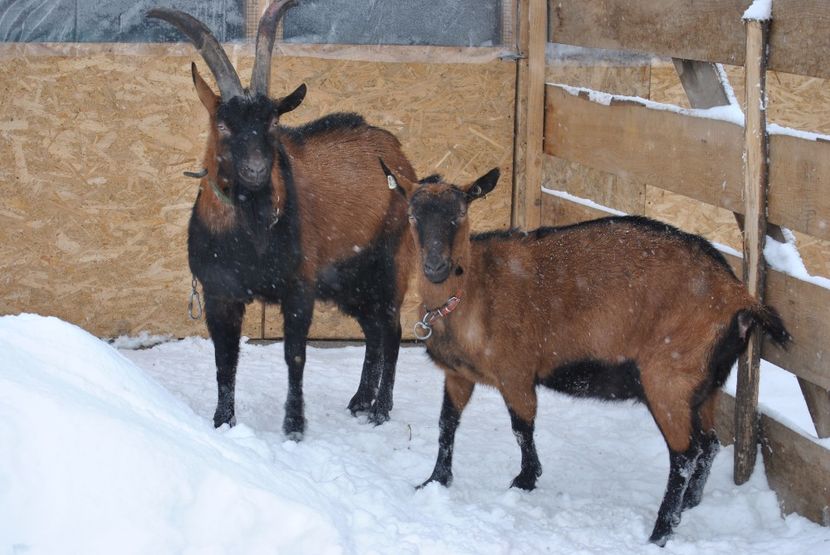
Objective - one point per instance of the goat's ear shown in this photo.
(483, 185)
(206, 95)
(291, 101)
(392, 181)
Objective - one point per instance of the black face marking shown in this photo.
(247, 137)
(437, 217)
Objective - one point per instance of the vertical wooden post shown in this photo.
(756, 180)
(530, 114)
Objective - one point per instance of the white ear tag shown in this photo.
(391, 183)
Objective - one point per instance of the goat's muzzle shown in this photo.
(253, 173)
(437, 270)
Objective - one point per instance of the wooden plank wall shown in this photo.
(707, 30)
(94, 139)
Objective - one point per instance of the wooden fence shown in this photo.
(780, 179)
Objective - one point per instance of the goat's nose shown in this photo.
(253, 169)
(437, 270)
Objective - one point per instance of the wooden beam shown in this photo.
(518, 208)
(799, 196)
(696, 157)
(390, 53)
(702, 83)
(755, 231)
(531, 103)
(818, 403)
(798, 470)
(706, 30)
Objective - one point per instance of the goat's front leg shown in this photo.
(521, 403)
(224, 322)
(297, 310)
(457, 393)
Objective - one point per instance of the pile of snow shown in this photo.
(99, 458)
(108, 452)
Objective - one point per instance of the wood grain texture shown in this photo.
(705, 30)
(702, 83)
(756, 180)
(530, 108)
(95, 138)
(695, 157)
(818, 403)
(798, 470)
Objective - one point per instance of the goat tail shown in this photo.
(772, 324)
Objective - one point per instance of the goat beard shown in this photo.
(256, 215)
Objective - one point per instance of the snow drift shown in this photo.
(107, 452)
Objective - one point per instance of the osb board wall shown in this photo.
(93, 141)
(794, 101)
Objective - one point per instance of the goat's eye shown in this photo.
(275, 123)
(412, 219)
(223, 128)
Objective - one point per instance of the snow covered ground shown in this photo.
(108, 452)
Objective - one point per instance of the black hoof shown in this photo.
(294, 428)
(525, 481)
(662, 532)
(444, 480)
(660, 540)
(360, 403)
(378, 416)
(224, 416)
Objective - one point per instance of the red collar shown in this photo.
(451, 304)
(425, 323)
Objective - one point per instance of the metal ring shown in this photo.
(421, 325)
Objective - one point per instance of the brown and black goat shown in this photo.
(289, 215)
(617, 308)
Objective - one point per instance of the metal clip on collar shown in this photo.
(195, 301)
(423, 325)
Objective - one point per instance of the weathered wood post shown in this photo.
(530, 114)
(756, 181)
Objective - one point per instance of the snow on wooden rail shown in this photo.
(697, 153)
(709, 30)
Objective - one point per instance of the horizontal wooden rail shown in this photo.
(696, 157)
(352, 52)
(706, 30)
(802, 305)
(797, 468)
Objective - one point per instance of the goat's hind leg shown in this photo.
(390, 347)
(709, 447)
(372, 364)
(673, 414)
(224, 323)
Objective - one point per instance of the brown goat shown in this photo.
(616, 308)
(288, 215)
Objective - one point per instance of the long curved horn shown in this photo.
(261, 75)
(207, 45)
